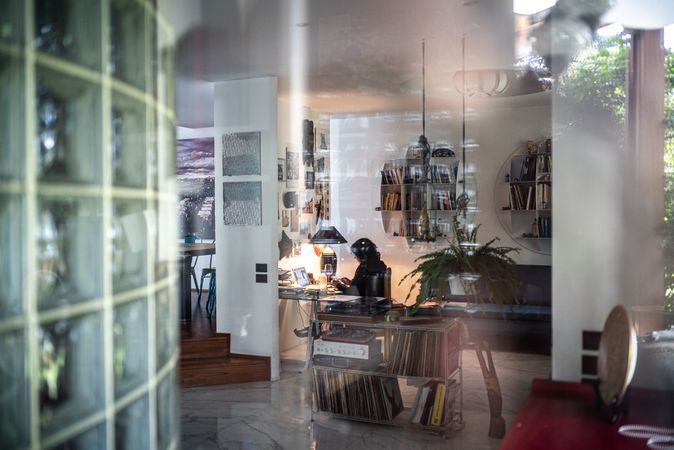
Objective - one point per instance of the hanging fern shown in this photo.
(497, 270)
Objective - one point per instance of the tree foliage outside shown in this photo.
(598, 77)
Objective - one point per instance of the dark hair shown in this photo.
(364, 249)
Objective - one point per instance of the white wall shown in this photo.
(361, 145)
(246, 309)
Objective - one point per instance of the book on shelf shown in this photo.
(434, 403)
(391, 201)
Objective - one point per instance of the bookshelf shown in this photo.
(524, 196)
(411, 378)
(404, 192)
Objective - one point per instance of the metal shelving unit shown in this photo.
(451, 375)
(88, 325)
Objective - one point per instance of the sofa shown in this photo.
(524, 326)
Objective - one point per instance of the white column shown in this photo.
(246, 309)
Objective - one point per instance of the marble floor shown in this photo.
(275, 415)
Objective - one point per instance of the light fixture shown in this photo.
(327, 235)
(463, 200)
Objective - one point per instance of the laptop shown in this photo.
(301, 276)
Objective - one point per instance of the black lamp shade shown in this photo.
(328, 235)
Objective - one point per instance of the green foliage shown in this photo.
(497, 270)
(599, 78)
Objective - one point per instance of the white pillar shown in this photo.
(247, 309)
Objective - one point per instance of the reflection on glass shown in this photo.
(70, 370)
(69, 266)
(14, 408)
(93, 438)
(67, 128)
(12, 123)
(131, 426)
(130, 346)
(167, 411)
(51, 33)
(127, 38)
(69, 29)
(11, 261)
(167, 326)
(128, 235)
(128, 142)
(51, 138)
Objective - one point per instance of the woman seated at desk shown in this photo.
(369, 264)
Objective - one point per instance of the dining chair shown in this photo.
(205, 273)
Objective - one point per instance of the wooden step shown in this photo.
(231, 369)
(216, 346)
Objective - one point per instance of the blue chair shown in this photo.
(210, 303)
(205, 273)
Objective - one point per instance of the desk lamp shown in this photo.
(326, 236)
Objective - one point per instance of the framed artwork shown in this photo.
(292, 168)
(322, 140)
(242, 203)
(241, 153)
(285, 218)
(309, 180)
(195, 179)
(281, 168)
(294, 221)
(320, 165)
(308, 143)
(307, 202)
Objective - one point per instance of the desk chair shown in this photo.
(205, 273)
(379, 284)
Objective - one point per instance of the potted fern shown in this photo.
(484, 269)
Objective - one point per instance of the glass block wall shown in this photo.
(88, 301)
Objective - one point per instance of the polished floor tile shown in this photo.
(276, 415)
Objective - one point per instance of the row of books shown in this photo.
(522, 197)
(415, 174)
(528, 169)
(434, 403)
(543, 225)
(391, 201)
(444, 174)
(443, 200)
(544, 196)
(369, 397)
(544, 164)
(414, 201)
(393, 175)
(533, 166)
(424, 353)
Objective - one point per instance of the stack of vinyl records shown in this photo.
(424, 354)
(368, 397)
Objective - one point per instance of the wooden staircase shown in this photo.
(207, 361)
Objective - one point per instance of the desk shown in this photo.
(187, 251)
(316, 296)
(562, 416)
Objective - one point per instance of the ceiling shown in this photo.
(346, 56)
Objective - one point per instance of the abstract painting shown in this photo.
(241, 153)
(195, 169)
(242, 203)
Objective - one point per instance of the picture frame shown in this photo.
(309, 180)
(292, 168)
(281, 168)
(322, 140)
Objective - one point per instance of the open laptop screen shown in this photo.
(301, 276)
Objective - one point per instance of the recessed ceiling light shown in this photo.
(529, 7)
